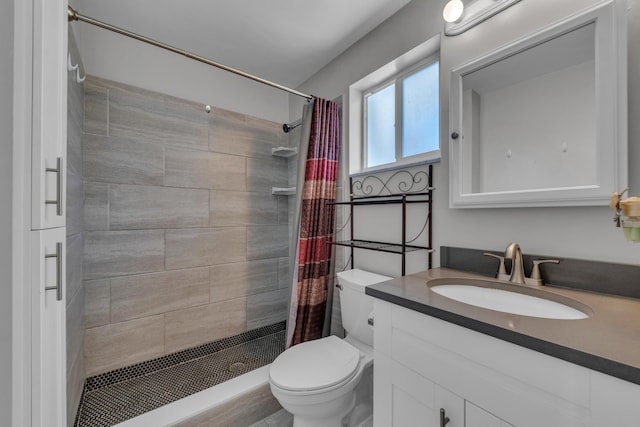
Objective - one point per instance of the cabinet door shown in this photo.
(405, 399)
(476, 417)
(48, 330)
(49, 109)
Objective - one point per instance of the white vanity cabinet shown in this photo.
(49, 114)
(423, 364)
(404, 399)
(476, 417)
(48, 331)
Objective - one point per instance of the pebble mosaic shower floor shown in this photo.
(119, 395)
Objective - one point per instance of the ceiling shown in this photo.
(286, 41)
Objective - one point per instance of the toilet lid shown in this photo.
(314, 364)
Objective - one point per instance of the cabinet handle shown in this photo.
(58, 201)
(58, 257)
(443, 418)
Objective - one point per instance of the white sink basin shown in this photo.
(508, 301)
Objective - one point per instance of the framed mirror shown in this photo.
(542, 121)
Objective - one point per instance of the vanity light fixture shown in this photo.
(453, 10)
(459, 17)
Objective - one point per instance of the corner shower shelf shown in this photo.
(283, 191)
(408, 194)
(284, 151)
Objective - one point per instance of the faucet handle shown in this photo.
(535, 272)
(502, 271)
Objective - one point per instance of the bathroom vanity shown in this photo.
(442, 362)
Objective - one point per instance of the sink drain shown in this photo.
(237, 367)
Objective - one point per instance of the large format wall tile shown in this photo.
(242, 208)
(74, 266)
(283, 209)
(142, 114)
(197, 169)
(96, 206)
(172, 196)
(96, 107)
(97, 299)
(267, 308)
(243, 278)
(74, 251)
(122, 344)
(133, 207)
(203, 324)
(234, 133)
(75, 328)
(267, 242)
(148, 294)
(284, 276)
(74, 128)
(122, 160)
(118, 253)
(75, 200)
(75, 385)
(205, 246)
(262, 174)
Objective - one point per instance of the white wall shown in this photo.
(115, 57)
(6, 171)
(585, 232)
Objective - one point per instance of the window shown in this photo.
(402, 117)
(394, 112)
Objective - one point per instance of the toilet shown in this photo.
(318, 381)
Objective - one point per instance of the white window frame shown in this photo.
(397, 81)
(407, 63)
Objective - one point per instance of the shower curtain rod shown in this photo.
(74, 15)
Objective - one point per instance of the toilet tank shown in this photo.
(355, 306)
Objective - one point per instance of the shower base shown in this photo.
(116, 396)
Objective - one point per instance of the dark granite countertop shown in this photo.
(607, 341)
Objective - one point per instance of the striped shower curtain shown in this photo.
(311, 273)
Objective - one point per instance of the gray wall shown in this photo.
(74, 214)
(183, 241)
(118, 58)
(571, 232)
(6, 170)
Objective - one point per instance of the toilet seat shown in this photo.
(315, 365)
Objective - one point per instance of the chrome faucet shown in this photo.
(514, 253)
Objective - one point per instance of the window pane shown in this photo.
(381, 134)
(420, 112)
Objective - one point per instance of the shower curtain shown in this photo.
(314, 220)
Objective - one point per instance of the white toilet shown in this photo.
(316, 381)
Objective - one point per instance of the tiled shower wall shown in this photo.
(183, 241)
(74, 212)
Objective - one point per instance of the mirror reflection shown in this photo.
(529, 119)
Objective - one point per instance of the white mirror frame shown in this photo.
(611, 112)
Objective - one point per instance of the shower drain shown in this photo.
(237, 367)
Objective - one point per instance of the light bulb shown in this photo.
(453, 10)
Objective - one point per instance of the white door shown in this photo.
(48, 332)
(40, 57)
(477, 417)
(49, 109)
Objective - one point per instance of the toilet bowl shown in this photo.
(316, 381)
